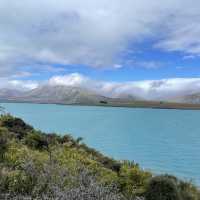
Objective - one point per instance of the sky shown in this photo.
(118, 45)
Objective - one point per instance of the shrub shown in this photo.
(36, 140)
(103, 102)
(132, 179)
(54, 181)
(188, 191)
(162, 188)
(15, 125)
(3, 142)
(53, 139)
(16, 182)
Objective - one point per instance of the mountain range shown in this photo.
(60, 94)
(53, 94)
(188, 98)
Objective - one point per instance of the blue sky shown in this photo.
(149, 64)
(116, 41)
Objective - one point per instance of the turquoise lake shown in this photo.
(164, 141)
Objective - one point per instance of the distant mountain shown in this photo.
(60, 94)
(9, 93)
(127, 97)
(190, 98)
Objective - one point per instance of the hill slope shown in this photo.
(35, 165)
(9, 93)
(59, 94)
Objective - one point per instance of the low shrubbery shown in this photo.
(170, 188)
(34, 165)
(4, 136)
(162, 188)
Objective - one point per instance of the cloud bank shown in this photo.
(149, 89)
(18, 84)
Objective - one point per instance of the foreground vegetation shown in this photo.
(34, 165)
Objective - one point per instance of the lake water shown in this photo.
(160, 140)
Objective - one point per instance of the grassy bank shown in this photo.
(35, 165)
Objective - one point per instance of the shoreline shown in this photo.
(136, 104)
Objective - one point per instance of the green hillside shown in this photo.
(35, 165)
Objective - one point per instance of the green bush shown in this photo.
(16, 182)
(3, 142)
(15, 125)
(36, 140)
(188, 191)
(162, 188)
(133, 179)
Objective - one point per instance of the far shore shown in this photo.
(130, 104)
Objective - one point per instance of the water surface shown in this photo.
(159, 140)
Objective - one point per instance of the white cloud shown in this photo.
(149, 89)
(23, 85)
(18, 84)
(73, 79)
(92, 32)
(182, 33)
(117, 66)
